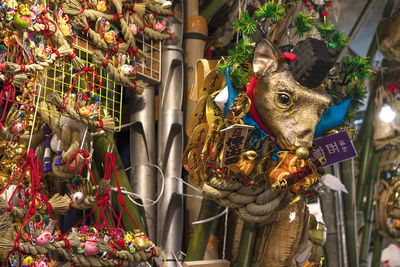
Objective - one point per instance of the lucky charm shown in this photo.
(41, 263)
(293, 173)
(22, 18)
(110, 37)
(90, 246)
(64, 26)
(133, 28)
(160, 25)
(101, 6)
(141, 241)
(104, 28)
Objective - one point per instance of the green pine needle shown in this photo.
(338, 41)
(271, 10)
(303, 23)
(356, 68)
(238, 56)
(326, 29)
(241, 53)
(245, 24)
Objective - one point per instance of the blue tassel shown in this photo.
(58, 159)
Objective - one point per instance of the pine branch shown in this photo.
(303, 23)
(338, 41)
(245, 24)
(326, 30)
(271, 10)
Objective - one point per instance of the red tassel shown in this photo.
(290, 56)
(325, 14)
(329, 5)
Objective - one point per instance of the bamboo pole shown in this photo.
(211, 9)
(349, 205)
(201, 235)
(368, 211)
(373, 48)
(247, 244)
(100, 149)
(377, 252)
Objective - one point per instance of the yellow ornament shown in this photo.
(28, 261)
(141, 241)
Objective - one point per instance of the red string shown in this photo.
(85, 156)
(22, 66)
(46, 21)
(133, 87)
(90, 86)
(33, 164)
(7, 87)
(111, 166)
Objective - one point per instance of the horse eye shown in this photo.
(284, 99)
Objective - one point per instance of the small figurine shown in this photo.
(133, 28)
(9, 14)
(160, 25)
(64, 25)
(141, 241)
(44, 238)
(28, 261)
(22, 18)
(90, 246)
(104, 28)
(110, 37)
(101, 6)
(41, 263)
(128, 70)
(77, 197)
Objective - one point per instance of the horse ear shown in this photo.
(266, 58)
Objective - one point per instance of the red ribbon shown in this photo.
(253, 110)
(85, 155)
(7, 87)
(89, 86)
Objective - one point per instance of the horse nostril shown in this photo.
(304, 134)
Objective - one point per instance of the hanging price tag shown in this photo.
(235, 137)
(335, 148)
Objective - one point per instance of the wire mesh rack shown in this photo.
(61, 77)
(149, 69)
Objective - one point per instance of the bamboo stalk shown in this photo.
(371, 54)
(100, 146)
(377, 252)
(373, 48)
(367, 144)
(349, 210)
(201, 235)
(368, 211)
(211, 9)
(247, 244)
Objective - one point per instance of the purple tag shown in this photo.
(336, 148)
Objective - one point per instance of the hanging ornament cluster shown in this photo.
(54, 95)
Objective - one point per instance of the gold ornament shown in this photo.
(141, 241)
(302, 153)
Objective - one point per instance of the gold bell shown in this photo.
(302, 152)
